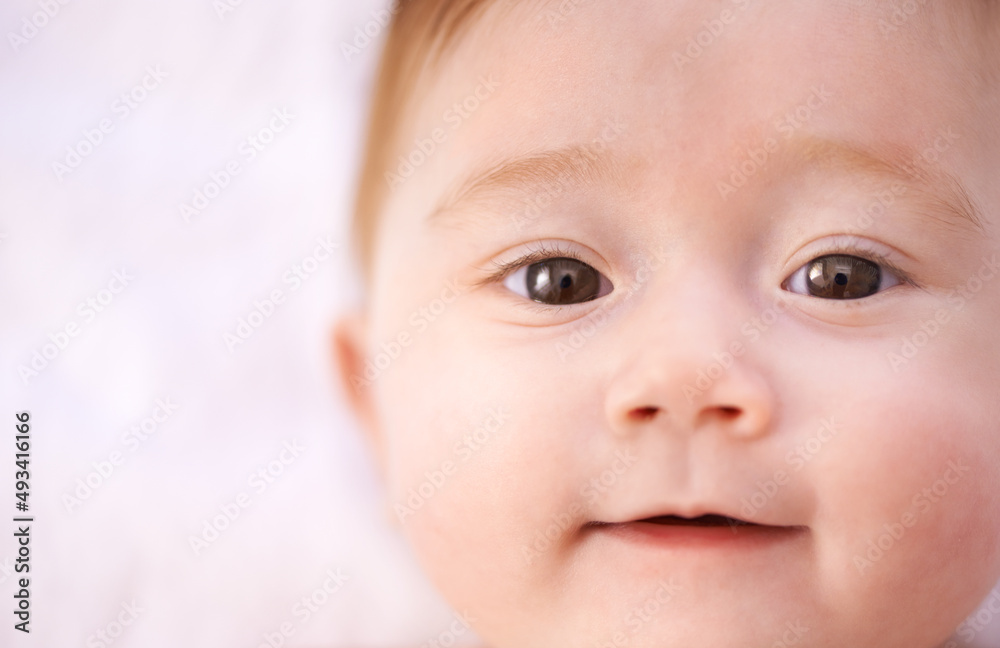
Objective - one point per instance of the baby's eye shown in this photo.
(558, 281)
(840, 276)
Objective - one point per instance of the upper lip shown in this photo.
(695, 515)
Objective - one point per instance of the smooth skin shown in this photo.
(703, 377)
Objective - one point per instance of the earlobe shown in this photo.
(348, 351)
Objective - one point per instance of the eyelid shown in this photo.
(542, 251)
(877, 258)
(863, 249)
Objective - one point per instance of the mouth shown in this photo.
(711, 520)
(707, 531)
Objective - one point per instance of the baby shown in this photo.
(680, 318)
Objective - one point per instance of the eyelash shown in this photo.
(542, 251)
(868, 254)
(545, 251)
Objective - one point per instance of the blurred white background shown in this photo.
(214, 75)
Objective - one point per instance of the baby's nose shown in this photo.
(686, 366)
(673, 396)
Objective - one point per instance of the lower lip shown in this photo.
(737, 536)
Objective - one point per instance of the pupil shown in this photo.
(842, 276)
(562, 281)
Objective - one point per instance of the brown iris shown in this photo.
(840, 276)
(562, 281)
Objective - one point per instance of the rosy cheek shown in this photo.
(908, 514)
(951, 551)
(966, 516)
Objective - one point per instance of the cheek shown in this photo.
(908, 519)
(485, 447)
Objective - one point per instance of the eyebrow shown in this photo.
(943, 194)
(580, 164)
(944, 197)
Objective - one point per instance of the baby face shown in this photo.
(682, 325)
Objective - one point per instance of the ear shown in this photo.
(348, 341)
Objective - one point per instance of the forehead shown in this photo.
(698, 86)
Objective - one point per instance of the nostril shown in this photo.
(643, 413)
(728, 412)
